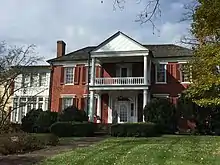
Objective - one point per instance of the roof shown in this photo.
(158, 51)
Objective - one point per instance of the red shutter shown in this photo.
(83, 103)
(12, 86)
(60, 105)
(62, 75)
(76, 75)
(97, 71)
(74, 102)
(153, 73)
(178, 72)
(84, 74)
(169, 73)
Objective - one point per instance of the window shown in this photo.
(124, 72)
(34, 80)
(67, 102)
(184, 73)
(161, 73)
(26, 80)
(68, 75)
(42, 79)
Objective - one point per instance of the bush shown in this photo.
(28, 121)
(44, 121)
(161, 112)
(72, 114)
(24, 142)
(134, 130)
(68, 129)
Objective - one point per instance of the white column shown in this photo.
(91, 95)
(17, 110)
(145, 70)
(144, 100)
(92, 78)
(91, 106)
(99, 108)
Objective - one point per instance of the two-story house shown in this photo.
(117, 78)
(31, 91)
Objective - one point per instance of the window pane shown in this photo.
(34, 80)
(184, 73)
(69, 75)
(67, 102)
(42, 80)
(26, 80)
(161, 73)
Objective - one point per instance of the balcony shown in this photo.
(119, 81)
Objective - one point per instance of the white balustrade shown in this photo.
(120, 81)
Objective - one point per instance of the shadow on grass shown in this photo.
(20, 160)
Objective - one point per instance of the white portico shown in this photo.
(123, 88)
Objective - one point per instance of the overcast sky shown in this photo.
(83, 22)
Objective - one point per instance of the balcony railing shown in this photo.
(119, 81)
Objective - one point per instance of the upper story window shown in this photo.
(34, 80)
(184, 73)
(42, 79)
(124, 72)
(161, 75)
(68, 71)
(26, 80)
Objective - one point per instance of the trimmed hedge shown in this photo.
(135, 130)
(68, 129)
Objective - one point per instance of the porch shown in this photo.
(123, 106)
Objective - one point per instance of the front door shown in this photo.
(123, 112)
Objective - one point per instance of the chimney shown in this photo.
(61, 47)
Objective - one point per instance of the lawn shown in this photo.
(166, 150)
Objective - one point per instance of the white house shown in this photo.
(31, 91)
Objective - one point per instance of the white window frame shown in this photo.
(73, 67)
(161, 95)
(181, 74)
(119, 69)
(67, 97)
(165, 76)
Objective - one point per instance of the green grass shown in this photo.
(166, 150)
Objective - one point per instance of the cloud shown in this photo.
(82, 22)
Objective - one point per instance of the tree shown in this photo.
(13, 61)
(205, 87)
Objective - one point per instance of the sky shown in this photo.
(81, 23)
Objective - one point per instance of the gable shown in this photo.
(119, 42)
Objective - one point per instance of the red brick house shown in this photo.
(123, 76)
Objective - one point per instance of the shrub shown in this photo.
(161, 112)
(134, 130)
(24, 142)
(45, 120)
(68, 129)
(72, 114)
(28, 121)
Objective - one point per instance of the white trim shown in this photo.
(91, 64)
(67, 95)
(118, 88)
(161, 95)
(118, 54)
(165, 77)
